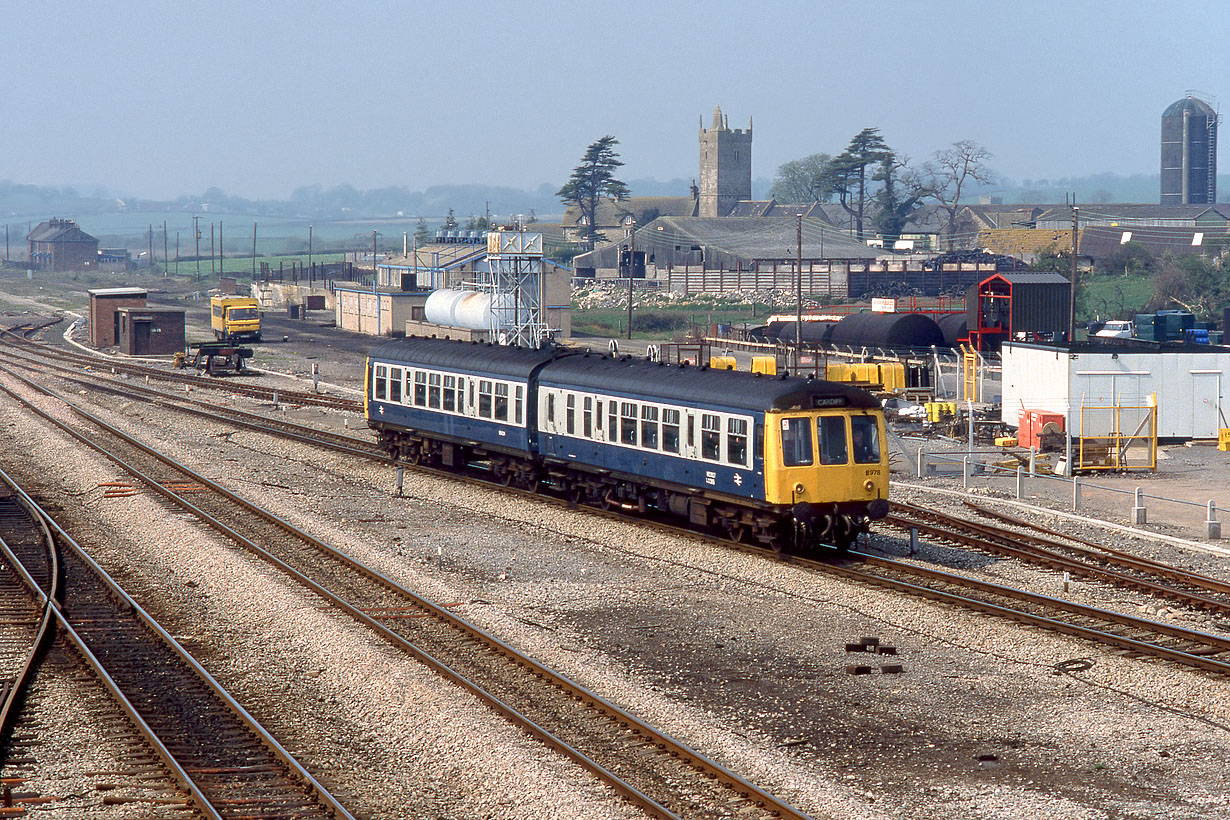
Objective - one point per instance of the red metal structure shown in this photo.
(1025, 305)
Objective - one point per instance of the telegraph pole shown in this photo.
(196, 229)
(221, 253)
(253, 251)
(177, 254)
(1072, 288)
(798, 261)
(631, 268)
(165, 256)
(211, 250)
(309, 247)
(151, 247)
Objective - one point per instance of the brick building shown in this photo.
(59, 245)
(104, 317)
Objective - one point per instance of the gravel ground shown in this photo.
(740, 657)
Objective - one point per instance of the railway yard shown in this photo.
(409, 643)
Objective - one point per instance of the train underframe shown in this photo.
(800, 528)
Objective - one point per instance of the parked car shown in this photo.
(1115, 330)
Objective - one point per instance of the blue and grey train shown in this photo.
(787, 462)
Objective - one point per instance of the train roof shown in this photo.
(699, 385)
(473, 357)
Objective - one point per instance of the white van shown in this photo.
(1115, 330)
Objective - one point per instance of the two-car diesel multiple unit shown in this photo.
(787, 462)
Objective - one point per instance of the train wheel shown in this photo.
(737, 531)
(413, 455)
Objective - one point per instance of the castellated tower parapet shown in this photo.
(725, 165)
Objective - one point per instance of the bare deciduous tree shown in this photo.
(948, 173)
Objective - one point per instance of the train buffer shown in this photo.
(220, 357)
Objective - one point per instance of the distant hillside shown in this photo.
(25, 203)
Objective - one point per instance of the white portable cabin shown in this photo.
(1191, 383)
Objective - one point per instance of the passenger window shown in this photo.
(420, 388)
(471, 392)
(670, 430)
(612, 427)
(551, 410)
(796, 442)
(710, 437)
(866, 440)
(691, 431)
(649, 427)
(833, 440)
(501, 401)
(627, 429)
(587, 417)
(570, 420)
(736, 441)
(382, 380)
(450, 394)
(520, 405)
(433, 390)
(484, 398)
(395, 377)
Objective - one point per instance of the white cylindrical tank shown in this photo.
(459, 308)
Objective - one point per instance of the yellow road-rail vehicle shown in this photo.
(235, 318)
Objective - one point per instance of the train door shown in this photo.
(690, 434)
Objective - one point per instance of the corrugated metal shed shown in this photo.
(1006, 304)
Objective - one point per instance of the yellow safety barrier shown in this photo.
(1223, 439)
(764, 364)
(722, 362)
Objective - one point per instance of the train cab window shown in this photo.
(649, 427)
(833, 440)
(520, 405)
(396, 374)
(420, 388)
(433, 390)
(710, 437)
(501, 401)
(736, 441)
(449, 397)
(670, 430)
(866, 440)
(796, 442)
(382, 381)
(570, 414)
(587, 417)
(484, 398)
(612, 427)
(627, 427)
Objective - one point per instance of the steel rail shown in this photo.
(46, 599)
(291, 396)
(211, 683)
(1102, 552)
(1032, 549)
(671, 746)
(1137, 646)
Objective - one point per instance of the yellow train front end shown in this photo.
(831, 467)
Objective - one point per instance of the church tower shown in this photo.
(725, 165)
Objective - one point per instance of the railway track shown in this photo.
(184, 724)
(1058, 552)
(649, 768)
(17, 340)
(1128, 633)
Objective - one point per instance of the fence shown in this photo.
(971, 465)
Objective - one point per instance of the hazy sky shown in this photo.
(157, 99)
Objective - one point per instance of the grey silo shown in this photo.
(1189, 153)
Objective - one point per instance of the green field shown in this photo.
(1112, 296)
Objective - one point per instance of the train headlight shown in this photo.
(799, 489)
(869, 485)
